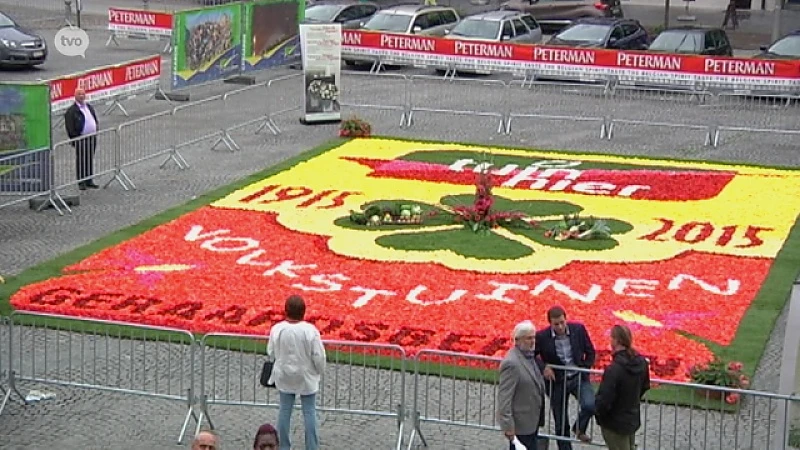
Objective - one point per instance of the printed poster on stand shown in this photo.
(270, 30)
(321, 47)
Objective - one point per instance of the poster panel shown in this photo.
(24, 126)
(207, 45)
(271, 33)
(322, 61)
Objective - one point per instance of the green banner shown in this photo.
(24, 116)
(271, 33)
(207, 44)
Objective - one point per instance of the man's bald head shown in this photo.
(80, 95)
(205, 440)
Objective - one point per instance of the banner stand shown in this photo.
(169, 97)
(321, 50)
(247, 80)
(320, 122)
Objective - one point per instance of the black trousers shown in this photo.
(530, 441)
(84, 157)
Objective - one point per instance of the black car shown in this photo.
(603, 32)
(787, 47)
(350, 14)
(694, 41)
(18, 46)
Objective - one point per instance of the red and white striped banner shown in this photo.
(106, 82)
(579, 62)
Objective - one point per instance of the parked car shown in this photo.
(498, 26)
(414, 19)
(19, 46)
(419, 20)
(603, 32)
(495, 26)
(693, 40)
(351, 14)
(787, 47)
(555, 15)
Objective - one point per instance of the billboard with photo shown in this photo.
(271, 33)
(24, 125)
(207, 45)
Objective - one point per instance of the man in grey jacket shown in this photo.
(520, 396)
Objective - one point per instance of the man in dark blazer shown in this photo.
(81, 123)
(567, 344)
(520, 394)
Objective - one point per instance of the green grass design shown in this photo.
(5, 168)
(748, 345)
(461, 240)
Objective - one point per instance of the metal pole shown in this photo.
(78, 8)
(776, 20)
(787, 383)
(666, 14)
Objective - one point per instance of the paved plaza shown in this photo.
(89, 419)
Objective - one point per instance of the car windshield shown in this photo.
(388, 22)
(584, 32)
(678, 42)
(322, 13)
(477, 28)
(788, 46)
(6, 21)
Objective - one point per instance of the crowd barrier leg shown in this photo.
(10, 391)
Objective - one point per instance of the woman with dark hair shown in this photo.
(266, 438)
(618, 400)
(299, 356)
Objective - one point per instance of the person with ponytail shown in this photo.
(624, 383)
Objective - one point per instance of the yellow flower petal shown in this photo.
(163, 268)
(630, 316)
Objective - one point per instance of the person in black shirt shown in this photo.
(625, 381)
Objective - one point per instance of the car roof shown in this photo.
(692, 29)
(605, 21)
(341, 3)
(411, 9)
(497, 15)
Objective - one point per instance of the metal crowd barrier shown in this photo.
(231, 364)
(28, 175)
(522, 106)
(449, 388)
(461, 390)
(156, 362)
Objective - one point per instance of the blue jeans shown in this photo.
(308, 403)
(580, 388)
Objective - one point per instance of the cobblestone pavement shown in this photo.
(81, 418)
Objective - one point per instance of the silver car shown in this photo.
(498, 26)
(351, 14)
(418, 20)
(414, 19)
(495, 26)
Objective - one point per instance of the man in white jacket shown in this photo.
(299, 356)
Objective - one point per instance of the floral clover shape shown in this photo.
(439, 230)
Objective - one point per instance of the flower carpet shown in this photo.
(696, 258)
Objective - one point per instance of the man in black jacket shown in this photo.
(624, 384)
(81, 123)
(567, 344)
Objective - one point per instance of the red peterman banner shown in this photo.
(106, 82)
(134, 21)
(566, 61)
